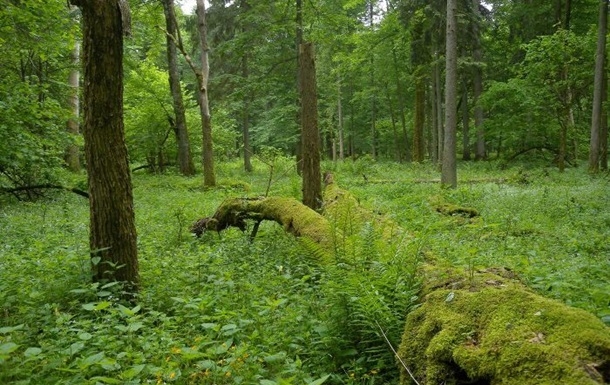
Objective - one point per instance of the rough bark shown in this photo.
(449, 166)
(112, 235)
(598, 87)
(185, 160)
(465, 124)
(340, 120)
(312, 178)
(209, 176)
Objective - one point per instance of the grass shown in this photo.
(222, 310)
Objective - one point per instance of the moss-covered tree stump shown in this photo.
(488, 328)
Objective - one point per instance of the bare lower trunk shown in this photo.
(312, 178)
(112, 235)
(449, 166)
(209, 176)
(185, 160)
(72, 151)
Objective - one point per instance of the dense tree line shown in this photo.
(402, 80)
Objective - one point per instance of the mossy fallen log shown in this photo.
(293, 216)
(488, 328)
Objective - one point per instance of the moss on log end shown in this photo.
(487, 328)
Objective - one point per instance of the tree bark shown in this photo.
(340, 119)
(72, 152)
(112, 237)
(246, 118)
(481, 151)
(418, 124)
(465, 124)
(598, 87)
(209, 176)
(449, 165)
(185, 159)
(312, 178)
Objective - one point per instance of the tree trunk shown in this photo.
(438, 101)
(72, 151)
(603, 132)
(340, 120)
(299, 41)
(401, 105)
(418, 124)
(209, 176)
(465, 124)
(598, 87)
(246, 118)
(312, 178)
(185, 160)
(112, 235)
(481, 151)
(449, 166)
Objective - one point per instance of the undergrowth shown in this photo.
(224, 310)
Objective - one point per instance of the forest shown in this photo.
(278, 192)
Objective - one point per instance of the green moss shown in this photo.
(493, 330)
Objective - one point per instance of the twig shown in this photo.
(395, 353)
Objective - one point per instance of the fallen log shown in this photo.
(489, 328)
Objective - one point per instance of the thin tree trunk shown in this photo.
(481, 151)
(465, 124)
(72, 151)
(299, 41)
(449, 165)
(209, 177)
(598, 87)
(373, 93)
(185, 159)
(401, 105)
(438, 89)
(312, 178)
(112, 235)
(340, 119)
(418, 124)
(603, 132)
(246, 118)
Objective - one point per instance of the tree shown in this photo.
(449, 167)
(598, 87)
(480, 152)
(112, 236)
(185, 160)
(312, 178)
(209, 177)
(72, 151)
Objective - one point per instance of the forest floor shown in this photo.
(223, 310)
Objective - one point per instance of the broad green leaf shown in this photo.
(106, 380)
(92, 359)
(133, 371)
(320, 380)
(10, 329)
(8, 348)
(32, 352)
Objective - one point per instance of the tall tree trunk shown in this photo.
(598, 87)
(299, 41)
(438, 95)
(185, 159)
(209, 176)
(246, 118)
(312, 178)
(401, 105)
(393, 121)
(603, 132)
(373, 93)
(481, 151)
(340, 120)
(420, 113)
(449, 165)
(72, 151)
(465, 124)
(112, 234)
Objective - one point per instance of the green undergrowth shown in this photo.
(223, 310)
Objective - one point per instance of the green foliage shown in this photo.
(222, 309)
